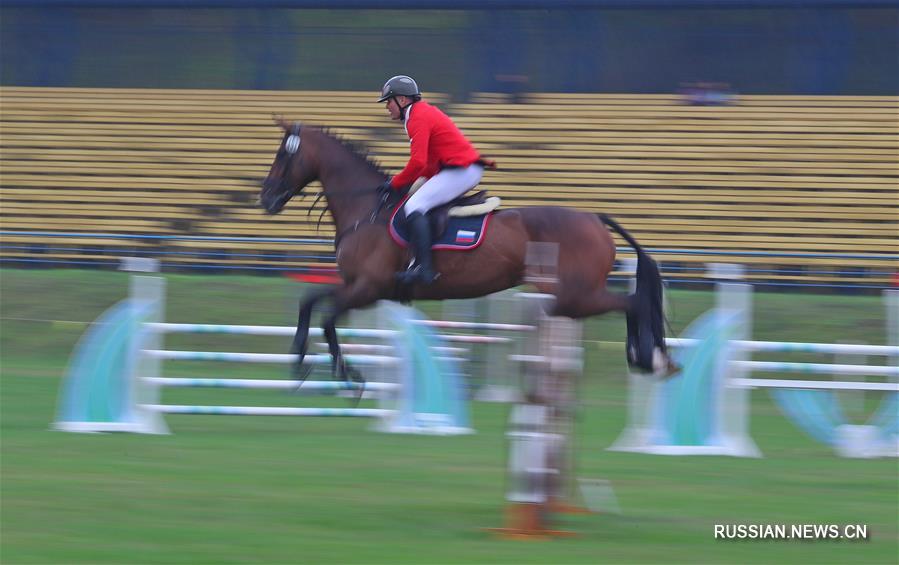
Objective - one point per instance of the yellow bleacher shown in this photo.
(782, 174)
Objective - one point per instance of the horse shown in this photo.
(368, 259)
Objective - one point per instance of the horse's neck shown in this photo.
(348, 201)
(349, 186)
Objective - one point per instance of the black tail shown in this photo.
(646, 317)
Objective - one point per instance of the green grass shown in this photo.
(286, 490)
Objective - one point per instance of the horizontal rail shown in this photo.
(860, 349)
(475, 338)
(796, 347)
(836, 369)
(328, 241)
(268, 384)
(167, 327)
(388, 349)
(268, 411)
(176, 355)
(819, 385)
(444, 324)
(97, 235)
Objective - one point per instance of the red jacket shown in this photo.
(435, 142)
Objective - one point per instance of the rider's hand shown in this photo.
(384, 189)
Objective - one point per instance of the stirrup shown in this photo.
(416, 274)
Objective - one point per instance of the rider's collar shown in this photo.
(404, 112)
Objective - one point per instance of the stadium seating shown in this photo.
(765, 174)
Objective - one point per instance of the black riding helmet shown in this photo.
(400, 85)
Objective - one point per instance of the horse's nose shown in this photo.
(272, 200)
(264, 197)
(269, 189)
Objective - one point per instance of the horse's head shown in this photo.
(290, 172)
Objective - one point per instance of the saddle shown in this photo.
(458, 224)
(476, 204)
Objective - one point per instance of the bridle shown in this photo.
(292, 144)
(292, 147)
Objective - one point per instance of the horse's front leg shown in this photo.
(300, 345)
(356, 295)
(340, 368)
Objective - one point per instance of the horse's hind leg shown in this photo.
(579, 304)
(645, 324)
(300, 344)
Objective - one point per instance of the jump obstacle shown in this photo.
(541, 424)
(114, 380)
(501, 381)
(705, 409)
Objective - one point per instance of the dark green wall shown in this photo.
(771, 51)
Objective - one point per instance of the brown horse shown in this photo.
(368, 259)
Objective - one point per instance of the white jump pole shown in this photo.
(114, 377)
(733, 298)
(725, 333)
(659, 422)
(501, 383)
(539, 428)
(145, 286)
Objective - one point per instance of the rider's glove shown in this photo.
(384, 190)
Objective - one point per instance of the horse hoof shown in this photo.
(351, 375)
(672, 369)
(300, 373)
(663, 367)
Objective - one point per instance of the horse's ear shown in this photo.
(284, 124)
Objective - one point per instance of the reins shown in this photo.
(383, 202)
(373, 220)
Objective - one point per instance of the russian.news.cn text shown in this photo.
(853, 532)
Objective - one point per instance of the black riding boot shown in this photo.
(420, 271)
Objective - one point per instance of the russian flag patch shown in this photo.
(465, 236)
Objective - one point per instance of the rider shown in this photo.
(439, 152)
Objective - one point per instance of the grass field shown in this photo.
(304, 490)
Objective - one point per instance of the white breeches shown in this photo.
(443, 187)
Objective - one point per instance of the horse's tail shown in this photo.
(646, 318)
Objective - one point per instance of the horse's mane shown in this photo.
(356, 149)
